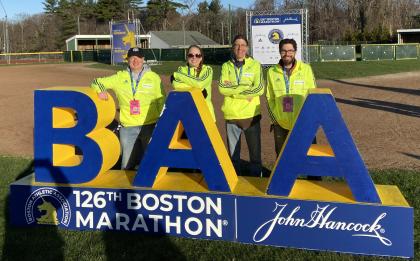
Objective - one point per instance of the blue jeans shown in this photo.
(253, 139)
(134, 141)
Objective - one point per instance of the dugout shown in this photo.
(98, 42)
(408, 36)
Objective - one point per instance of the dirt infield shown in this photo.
(382, 112)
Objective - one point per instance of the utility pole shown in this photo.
(183, 30)
(229, 26)
(78, 24)
(5, 35)
(223, 36)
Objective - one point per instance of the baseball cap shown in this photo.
(135, 51)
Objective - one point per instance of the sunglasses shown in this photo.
(191, 55)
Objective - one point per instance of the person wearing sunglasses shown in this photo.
(241, 83)
(140, 97)
(288, 83)
(195, 74)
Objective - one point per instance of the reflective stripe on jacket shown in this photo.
(184, 80)
(150, 95)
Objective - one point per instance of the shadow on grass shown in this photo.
(30, 243)
(125, 245)
(48, 242)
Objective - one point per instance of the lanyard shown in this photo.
(189, 72)
(286, 80)
(134, 89)
(238, 77)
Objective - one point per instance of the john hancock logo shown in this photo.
(47, 206)
(320, 218)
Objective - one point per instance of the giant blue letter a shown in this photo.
(320, 110)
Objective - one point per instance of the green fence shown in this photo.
(104, 56)
(314, 53)
(329, 53)
(172, 54)
(317, 53)
(216, 55)
(377, 52)
(406, 51)
(152, 54)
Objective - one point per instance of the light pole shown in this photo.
(5, 35)
(183, 30)
(223, 37)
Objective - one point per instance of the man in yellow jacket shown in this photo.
(287, 86)
(241, 84)
(140, 97)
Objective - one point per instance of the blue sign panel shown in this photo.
(371, 229)
(352, 228)
(276, 19)
(123, 38)
(204, 215)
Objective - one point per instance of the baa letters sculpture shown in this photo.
(80, 192)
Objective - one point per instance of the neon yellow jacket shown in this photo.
(300, 81)
(149, 92)
(251, 85)
(184, 80)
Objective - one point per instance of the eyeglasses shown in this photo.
(240, 46)
(287, 51)
(191, 55)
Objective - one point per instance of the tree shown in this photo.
(264, 5)
(203, 7)
(51, 6)
(215, 7)
(159, 10)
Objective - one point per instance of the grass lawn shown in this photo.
(50, 243)
(325, 70)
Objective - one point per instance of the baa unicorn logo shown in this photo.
(50, 215)
(47, 206)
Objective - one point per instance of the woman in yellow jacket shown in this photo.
(241, 84)
(195, 74)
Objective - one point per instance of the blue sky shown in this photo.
(15, 7)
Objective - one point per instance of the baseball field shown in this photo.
(382, 113)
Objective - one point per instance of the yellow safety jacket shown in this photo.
(186, 77)
(242, 94)
(300, 81)
(150, 95)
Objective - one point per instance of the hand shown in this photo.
(228, 83)
(250, 99)
(103, 96)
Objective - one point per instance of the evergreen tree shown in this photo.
(50, 6)
(159, 10)
(107, 10)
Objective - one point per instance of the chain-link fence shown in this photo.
(23, 58)
(317, 53)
